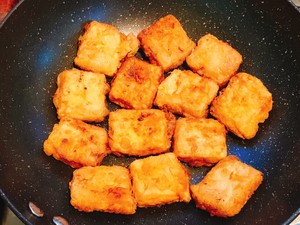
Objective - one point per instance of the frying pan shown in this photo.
(40, 39)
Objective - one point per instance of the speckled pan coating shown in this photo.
(39, 40)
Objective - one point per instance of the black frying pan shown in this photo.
(39, 40)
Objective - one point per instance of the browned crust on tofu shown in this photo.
(199, 142)
(140, 132)
(242, 105)
(171, 124)
(135, 84)
(159, 180)
(166, 43)
(101, 48)
(102, 188)
(227, 187)
(186, 93)
(81, 95)
(214, 59)
(76, 143)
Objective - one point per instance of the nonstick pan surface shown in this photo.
(40, 39)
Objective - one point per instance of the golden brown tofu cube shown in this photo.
(81, 95)
(102, 47)
(140, 132)
(227, 187)
(242, 105)
(102, 188)
(159, 180)
(77, 143)
(135, 84)
(186, 93)
(166, 43)
(214, 59)
(199, 141)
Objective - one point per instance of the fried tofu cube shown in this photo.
(242, 105)
(135, 84)
(77, 143)
(159, 180)
(214, 59)
(81, 95)
(199, 141)
(140, 132)
(166, 43)
(186, 93)
(227, 187)
(102, 47)
(102, 188)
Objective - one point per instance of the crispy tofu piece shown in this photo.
(81, 95)
(140, 132)
(77, 143)
(199, 141)
(166, 43)
(214, 59)
(242, 105)
(102, 47)
(159, 180)
(186, 93)
(227, 187)
(135, 84)
(102, 188)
